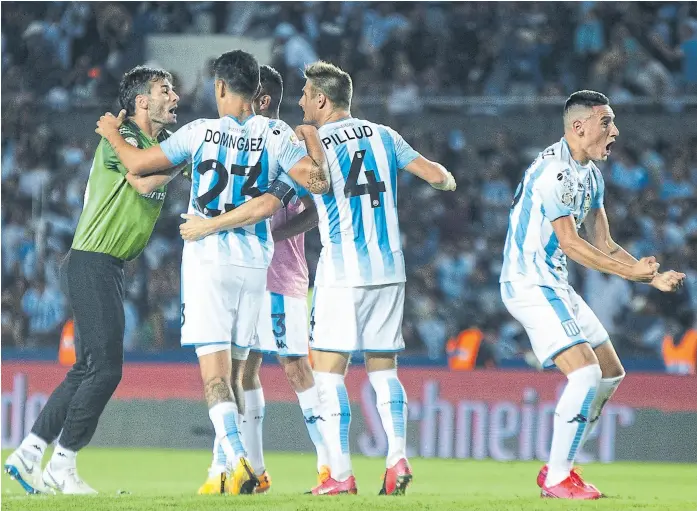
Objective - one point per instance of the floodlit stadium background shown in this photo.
(478, 87)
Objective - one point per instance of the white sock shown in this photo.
(392, 407)
(63, 458)
(225, 419)
(606, 388)
(33, 447)
(336, 411)
(251, 428)
(219, 464)
(570, 421)
(311, 407)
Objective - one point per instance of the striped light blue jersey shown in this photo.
(233, 162)
(358, 221)
(553, 186)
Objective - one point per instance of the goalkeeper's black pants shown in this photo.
(94, 284)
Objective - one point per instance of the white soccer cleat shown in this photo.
(67, 481)
(25, 468)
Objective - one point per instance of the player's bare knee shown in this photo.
(575, 357)
(330, 362)
(250, 376)
(298, 372)
(380, 361)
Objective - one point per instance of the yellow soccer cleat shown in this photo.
(323, 474)
(242, 480)
(214, 485)
(264, 483)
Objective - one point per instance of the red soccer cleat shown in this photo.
(575, 475)
(569, 489)
(396, 479)
(331, 486)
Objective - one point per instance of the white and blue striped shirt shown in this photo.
(358, 221)
(233, 162)
(553, 186)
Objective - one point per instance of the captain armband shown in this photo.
(282, 191)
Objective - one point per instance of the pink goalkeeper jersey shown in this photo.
(287, 274)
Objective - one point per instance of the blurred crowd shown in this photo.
(65, 52)
(68, 52)
(453, 253)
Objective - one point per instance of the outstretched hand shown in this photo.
(669, 281)
(195, 227)
(108, 124)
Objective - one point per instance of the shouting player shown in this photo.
(282, 327)
(359, 287)
(235, 158)
(118, 217)
(559, 191)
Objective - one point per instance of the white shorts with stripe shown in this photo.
(220, 303)
(367, 318)
(554, 318)
(283, 326)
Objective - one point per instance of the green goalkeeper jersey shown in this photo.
(116, 219)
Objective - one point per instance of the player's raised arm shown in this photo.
(300, 223)
(148, 183)
(410, 160)
(598, 232)
(556, 189)
(137, 161)
(312, 171)
(433, 173)
(251, 212)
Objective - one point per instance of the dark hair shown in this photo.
(271, 85)
(331, 81)
(240, 72)
(138, 81)
(587, 98)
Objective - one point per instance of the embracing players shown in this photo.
(359, 286)
(235, 158)
(560, 191)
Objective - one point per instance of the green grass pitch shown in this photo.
(168, 480)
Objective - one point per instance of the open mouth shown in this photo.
(608, 148)
(173, 110)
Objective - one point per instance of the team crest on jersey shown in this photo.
(586, 203)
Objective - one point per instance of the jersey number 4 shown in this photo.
(248, 188)
(373, 187)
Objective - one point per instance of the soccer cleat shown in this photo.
(264, 483)
(575, 475)
(214, 485)
(323, 474)
(25, 468)
(333, 487)
(569, 489)
(242, 480)
(67, 481)
(396, 479)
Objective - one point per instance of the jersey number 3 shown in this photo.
(248, 188)
(373, 187)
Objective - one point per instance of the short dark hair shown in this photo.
(271, 85)
(240, 72)
(138, 81)
(331, 81)
(587, 98)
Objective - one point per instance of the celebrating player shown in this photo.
(359, 287)
(282, 327)
(235, 158)
(115, 225)
(559, 191)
